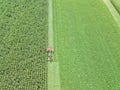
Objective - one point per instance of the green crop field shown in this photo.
(23, 40)
(87, 44)
(116, 4)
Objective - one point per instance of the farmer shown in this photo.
(50, 53)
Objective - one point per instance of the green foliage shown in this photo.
(87, 41)
(23, 40)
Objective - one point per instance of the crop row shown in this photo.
(23, 40)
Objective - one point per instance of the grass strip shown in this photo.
(53, 67)
(53, 76)
(50, 27)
